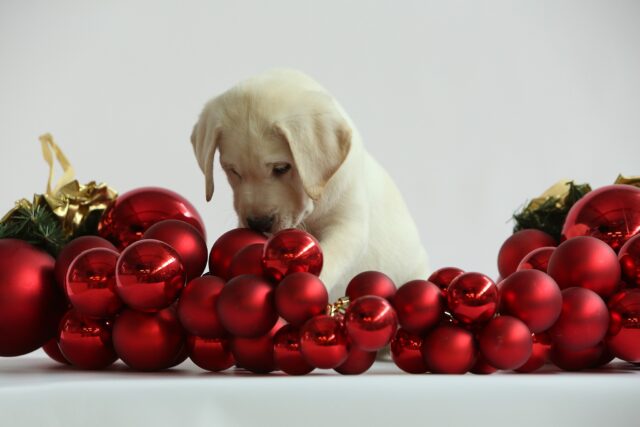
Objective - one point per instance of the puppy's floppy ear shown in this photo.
(319, 139)
(204, 138)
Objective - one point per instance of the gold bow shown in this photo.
(629, 180)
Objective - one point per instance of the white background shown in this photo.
(473, 107)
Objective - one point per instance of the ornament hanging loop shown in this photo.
(49, 149)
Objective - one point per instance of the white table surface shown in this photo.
(35, 391)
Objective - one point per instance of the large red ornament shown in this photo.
(505, 342)
(371, 283)
(186, 240)
(148, 341)
(227, 247)
(247, 261)
(629, 257)
(287, 351)
(586, 262)
(197, 307)
(482, 366)
(583, 321)
(371, 322)
(623, 339)
(290, 251)
(86, 343)
(533, 297)
(443, 277)
(610, 213)
(472, 298)
(537, 259)
(358, 362)
(30, 302)
(406, 352)
(71, 250)
(132, 213)
(149, 275)
(212, 354)
(91, 283)
(246, 306)
(323, 342)
(300, 296)
(576, 360)
(517, 246)
(449, 349)
(419, 305)
(52, 349)
(256, 354)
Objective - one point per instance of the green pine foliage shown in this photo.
(37, 225)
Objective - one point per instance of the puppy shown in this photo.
(294, 159)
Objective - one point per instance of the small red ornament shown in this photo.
(86, 343)
(472, 298)
(149, 275)
(583, 321)
(71, 250)
(449, 349)
(246, 306)
(287, 351)
(576, 360)
(610, 213)
(212, 354)
(323, 341)
(256, 354)
(537, 259)
(132, 213)
(197, 307)
(52, 350)
(539, 353)
(443, 277)
(482, 367)
(227, 246)
(183, 355)
(186, 240)
(91, 283)
(517, 246)
(371, 283)
(629, 257)
(533, 297)
(358, 362)
(623, 339)
(505, 342)
(371, 322)
(148, 341)
(247, 261)
(300, 296)
(586, 262)
(419, 305)
(290, 251)
(406, 352)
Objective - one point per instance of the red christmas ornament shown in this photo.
(290, 251)
(256, 354)
(247, 261)
(583, 321)
(186, 240)
(86, 343)
(183, 355)
(419, 305)
(371, 283)
(371, 322)
(449, 349)
(629, 257)
(406, 352)
(197, 307)
(505, 342)
(212, 354)
(624, 330)
(52, 350)
(71, 250)
(91, 283)
(300, 296)
(132, 213)
(287, 351)
(148, 341)
(576, 360)
(444, 276)
(149, 275)
(30, 303)
(246, 306)
(323, 341)
(533, 297)
(539, 353)
(588, 263)
(482, 367)
(537, 259)
(472, 298)
(610, 213)
(358, 362)
(227, 246)
(517, 246)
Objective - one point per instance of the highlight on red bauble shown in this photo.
(86, 343)
(291, 251)
(71, 250)
(518, 245)
(300, 296)
(227, 247)
(406, 352)
(371, 283)
(324, 342)
(472, 298)
(371, 322)
(419, 305)
(288, 352)
(505, 342)
(197, 307)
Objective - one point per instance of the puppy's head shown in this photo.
(280, 142)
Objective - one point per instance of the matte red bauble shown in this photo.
(537, 259)
(629, 257)
(197, 307)
(505, 342)
(472, 298)
(576, 360)
(539, 353)
(518, 245)
(186, 240)
(246, 306)
(406, 352)
(371, 283)
(371, 322)
(227, 246)
(624, 330)
(358, 362)
(588, 263)
(132, 213)
(91, 283)
(86, 343)
(52, 350)
(419, 305)
(300, 296)
(287, 351)
(212, 354)
(247, 261)
(482, 366)
(148, 341)
(31, 304)
(449, 349)
(323, 341)
(149, 275)
(583, 321)
(291, 251)
(533, 297)
(610, 213)
(71, 250)
(256, 354)
(444, 276)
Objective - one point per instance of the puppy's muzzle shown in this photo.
(263, 224)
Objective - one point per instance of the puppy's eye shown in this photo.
(281, 169)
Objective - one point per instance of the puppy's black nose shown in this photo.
(262, 224)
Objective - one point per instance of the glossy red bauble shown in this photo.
(576, 360)
(537, 259)
(517, 246)
(505, 342)
(629, 257)
(197, 307)
(623, 339)
(300, 296)
(539, 353)
(472, 298)
(371, 283)
(443, 277)
(291, 251)
(419, 305)
(247, 261)
(323, 342)
(371, 322)
(52, 349)
(256, 354)
(406, 352)
(227, 247)
(358, 362)
(482, 366)
(86, 343)
(449, 349)
(212, 354)
(288, 353)
(71, 250)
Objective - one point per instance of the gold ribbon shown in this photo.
(629, 180)
(559, 191)
(338, 307)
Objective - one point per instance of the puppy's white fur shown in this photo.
(335, 190)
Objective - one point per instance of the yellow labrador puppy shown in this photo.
(294, 159)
